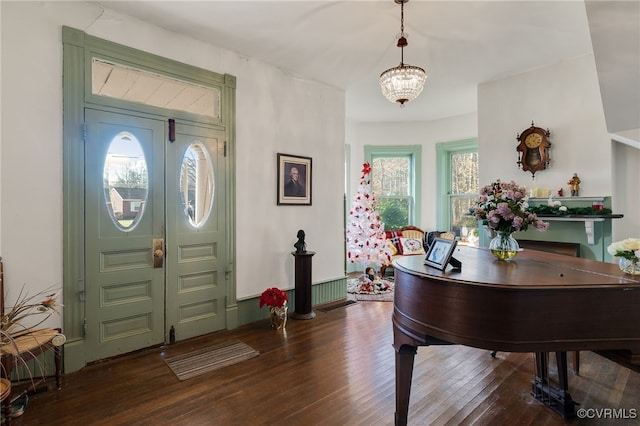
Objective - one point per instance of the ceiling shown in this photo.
(347, 44)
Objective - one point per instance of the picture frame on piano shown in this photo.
(439, 254)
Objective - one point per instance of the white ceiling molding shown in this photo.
(626, 141)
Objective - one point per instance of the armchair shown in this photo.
(397, 240)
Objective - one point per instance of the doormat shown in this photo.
(205, 360)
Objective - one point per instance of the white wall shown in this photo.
(626, 195)
(275, 113)
(427, 134)
(564, 98)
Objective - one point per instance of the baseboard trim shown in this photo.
(321, 293)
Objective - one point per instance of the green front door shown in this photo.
(124, 214)
(196, 231)
(154, 233)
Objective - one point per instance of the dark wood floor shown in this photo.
(336, 369)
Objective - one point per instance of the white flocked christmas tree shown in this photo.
(366, 241)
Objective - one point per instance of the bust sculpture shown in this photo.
(300, 245)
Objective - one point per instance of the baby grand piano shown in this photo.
(540, 303)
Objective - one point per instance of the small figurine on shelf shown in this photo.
(574, 184)
(560, 193)
(300, 245)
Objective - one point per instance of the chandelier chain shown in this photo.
(402, 19)
(403, 83)
(402, 33)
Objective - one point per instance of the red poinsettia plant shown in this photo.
(273, 297)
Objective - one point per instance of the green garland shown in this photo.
(545, 210)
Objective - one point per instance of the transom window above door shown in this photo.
(143, 87)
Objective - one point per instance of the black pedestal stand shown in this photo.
(303, 285)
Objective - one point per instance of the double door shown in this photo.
(155, 232)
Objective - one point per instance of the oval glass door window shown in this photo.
(196, 184)
(125, 181)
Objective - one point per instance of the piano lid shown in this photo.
(530, 269)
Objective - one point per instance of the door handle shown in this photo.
(158, 252)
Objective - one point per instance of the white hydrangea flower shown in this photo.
(627, 248)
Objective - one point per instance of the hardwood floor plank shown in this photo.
(476, 396)
(337, 369)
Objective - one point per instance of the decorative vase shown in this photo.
(629, 266)
(503, 246)
(278, 316)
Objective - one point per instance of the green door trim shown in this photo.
(78, 48)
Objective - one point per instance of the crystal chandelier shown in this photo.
(405, 82)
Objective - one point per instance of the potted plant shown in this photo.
(19, 338)
(503, 208)
(276, 300)
(628, 253)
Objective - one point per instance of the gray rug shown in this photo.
(205, 360)
(362, 285)
(385, 297)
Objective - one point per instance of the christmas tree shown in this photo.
(366, 240)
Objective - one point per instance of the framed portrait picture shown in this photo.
(439, 253)
(294, 180)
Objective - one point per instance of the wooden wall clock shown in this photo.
(533, 149)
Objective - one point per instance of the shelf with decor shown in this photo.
(556, 198)
(589, 222)
(589, 210)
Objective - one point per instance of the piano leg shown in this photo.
(576, 363)
(405, 356)
(563, 378)
(559, 400)
(542, 367)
